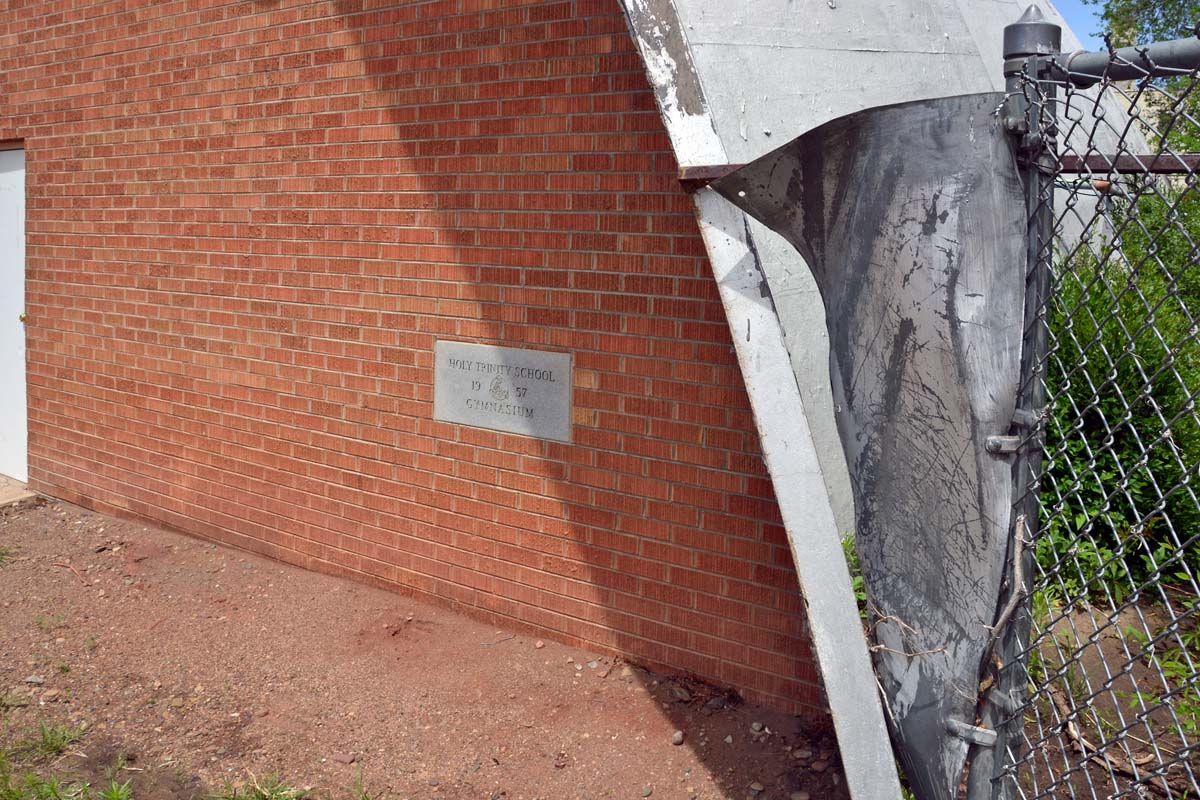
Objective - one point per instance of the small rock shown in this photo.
(647, 791)
(818, 766)
(579, 667)
(728, 740)
(434, 782)
(50, 694)
(539, 644)
(36, 680)
(757, 788)
(176, 702)
(681, 694)
(677, 738)
(802, 755)
(593, 664)
(798, 796)
(756, 727)
(626, 672)
(716, 704)
(344, 758)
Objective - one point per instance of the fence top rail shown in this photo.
(1157, 60)
(1035, 37)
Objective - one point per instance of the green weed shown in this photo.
(359, 790)
(119, 764)
(270, 788)
(51, 739)
(856, 577)
(117, 791)
(34, 787)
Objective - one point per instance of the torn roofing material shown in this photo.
(912, 220)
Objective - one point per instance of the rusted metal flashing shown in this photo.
(693, 179)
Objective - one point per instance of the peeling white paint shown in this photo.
(692, 135)
(802, 63)
(732, 240)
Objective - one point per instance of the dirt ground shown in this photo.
(203, 666)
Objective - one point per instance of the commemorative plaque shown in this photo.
(503, 388)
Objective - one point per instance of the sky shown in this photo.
(1083, 21)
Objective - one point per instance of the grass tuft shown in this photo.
(117, 791)
(359, 790)
(52, 739)
(270, 788)
(34, 787)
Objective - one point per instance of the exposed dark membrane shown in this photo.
(912, 221)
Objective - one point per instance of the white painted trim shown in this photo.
(786, 439)
(14, 401)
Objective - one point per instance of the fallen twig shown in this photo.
(1112, 761)
(498, 641)
(1017, 589)
(875, 648)
(82, 579)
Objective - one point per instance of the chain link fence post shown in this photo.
(1094, 688)
(1029, 118)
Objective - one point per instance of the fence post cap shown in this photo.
(1032, 35)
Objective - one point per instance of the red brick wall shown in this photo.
(248, 223)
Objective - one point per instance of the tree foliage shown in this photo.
(1127, 361)
(1144, 21)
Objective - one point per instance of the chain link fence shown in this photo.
(1104, 665)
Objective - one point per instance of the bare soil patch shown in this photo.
(204, 665)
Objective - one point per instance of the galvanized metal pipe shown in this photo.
(1028, 45)
(1158, 60)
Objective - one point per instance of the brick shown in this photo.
(234, 334)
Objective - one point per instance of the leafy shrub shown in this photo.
(1125, 363)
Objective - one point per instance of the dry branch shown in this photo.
(1112, 761)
